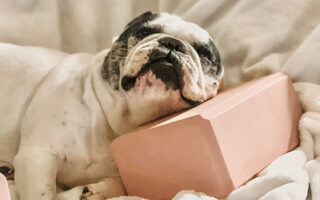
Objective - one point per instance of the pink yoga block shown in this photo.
(4, 190)
(214, 147)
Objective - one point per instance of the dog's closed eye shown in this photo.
(203, 52)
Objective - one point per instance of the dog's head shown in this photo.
(162, 64)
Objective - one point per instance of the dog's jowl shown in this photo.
(59, 112)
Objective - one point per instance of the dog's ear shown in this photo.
(145, 17)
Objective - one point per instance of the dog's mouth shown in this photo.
(162, 69)
(165, 65)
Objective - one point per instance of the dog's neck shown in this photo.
(112, 103)
(124, 114)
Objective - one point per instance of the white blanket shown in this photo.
(255, 38)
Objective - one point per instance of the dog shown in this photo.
(59, 112)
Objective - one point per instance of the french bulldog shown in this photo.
(59, 112)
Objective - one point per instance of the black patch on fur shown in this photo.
(135, 31)
(143, 18)
(209, 57)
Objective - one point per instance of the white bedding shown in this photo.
(255, 38)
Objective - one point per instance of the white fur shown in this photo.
(186, 31)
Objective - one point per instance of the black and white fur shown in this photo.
(59, 112)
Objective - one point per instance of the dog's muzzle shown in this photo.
(164, 62)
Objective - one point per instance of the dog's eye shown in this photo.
(203, 52)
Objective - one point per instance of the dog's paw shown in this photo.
(7, 171)
(91, 194)
(107, 188)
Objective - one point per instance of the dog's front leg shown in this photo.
(35, 174)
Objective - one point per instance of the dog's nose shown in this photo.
(173, 44)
